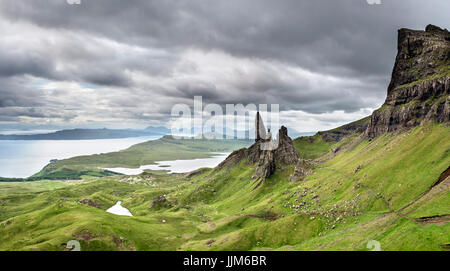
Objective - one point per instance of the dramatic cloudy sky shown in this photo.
(118, 64)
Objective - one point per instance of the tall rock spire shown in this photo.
(260, 129)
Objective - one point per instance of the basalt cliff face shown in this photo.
(420, 83)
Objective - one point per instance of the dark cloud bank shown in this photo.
(108, 61)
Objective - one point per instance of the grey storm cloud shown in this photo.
(21, 63)
(15, 93)
(314, 56)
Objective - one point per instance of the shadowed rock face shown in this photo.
(266, 165)
(420, 83)
(286, 152)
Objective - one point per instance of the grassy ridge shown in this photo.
(312, 147)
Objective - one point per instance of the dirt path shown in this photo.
(437, 220)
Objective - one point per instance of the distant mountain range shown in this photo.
(159, 130)
(85, 134)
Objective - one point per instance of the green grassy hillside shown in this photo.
(386, 189)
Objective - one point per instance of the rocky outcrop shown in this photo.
(266, 165)
(337, 134)
(266, 160)
(159, 201)
(420, 84)
(286, 152)
(302, 169)
(418, 111)
(283, 153)
(91, 203)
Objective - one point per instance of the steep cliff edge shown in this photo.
(420, 84)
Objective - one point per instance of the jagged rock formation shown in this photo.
(420, 85)
(266, 160)
(284, 153)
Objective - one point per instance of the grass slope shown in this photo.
(365, 190)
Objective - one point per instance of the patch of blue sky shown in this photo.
(89, 86)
